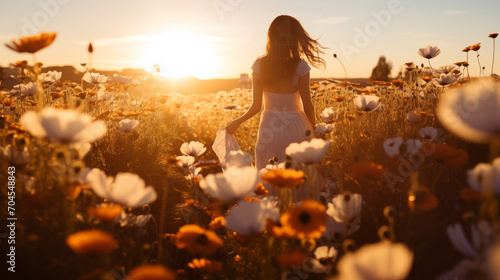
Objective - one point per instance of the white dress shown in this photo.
(282, 121)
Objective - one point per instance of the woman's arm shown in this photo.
(305, 95)
(252, 111)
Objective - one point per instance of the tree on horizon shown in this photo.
(382, 70)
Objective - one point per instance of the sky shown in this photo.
(221, 38)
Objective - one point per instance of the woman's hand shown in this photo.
(232, 127)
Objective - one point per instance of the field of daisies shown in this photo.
(104, 178)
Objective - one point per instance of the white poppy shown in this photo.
(429, 52)
(233, 184)
(485, 178)
(238, 158)
(325, 127)
(185, 161)
(249, 218)
(51, 76)
(63, 125)
(382, 260)
(308, 152)
(345, 207)
(367, 102)
(94, 78)
(126, 188)
(472, 112)
(413, 146)
(391, 146)
(480, 235)
(127, 125)
(193, 148)
(328, 114)
(429, 132)
(445, 79)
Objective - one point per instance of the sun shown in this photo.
(180, 54)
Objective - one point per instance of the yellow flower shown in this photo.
(151, 272)
(307, 221)
(206, 265)
(107, 212)
(197, 240)
(91, 241)
(32, 44)
(287, 178)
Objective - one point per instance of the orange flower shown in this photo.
(72, 192)
(106, 212)
(314, 86)
(251, 198)
(493, 35)
(151, 272)
(217, 223)
(32, 44)
(206, 265)
(261, 190)
(197, 240)
(380, 83)
(277, 230)
(409, 63)
(21, 63)
(339, 98)
(287, 178)
(467, 49)
(475, 47)
(445, 153)
(293, 259)
(368, 170)
(422, 199)
(306, 221)
(91, 241)
(410, 68)
(398, 83)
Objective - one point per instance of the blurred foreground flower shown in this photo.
(308, 152)
(197, 240)
(249, 218)
(127, 125)
(472, 112)
(232, 184)
(238, 158)
(63, 125)
(379, 261)
(206, 265)
(480, 237)
(151, 272)
(193, 148)
(105, 211)
(306, 221)
(368, 170)
(91, 241)
(345, 207)
(32, 44)
(325, 128)
(367, 102)
(446, 154)
(485, 178)
(127, 189)
(283, 178)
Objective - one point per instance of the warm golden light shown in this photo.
(180, 54)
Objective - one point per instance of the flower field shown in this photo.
(108, 179)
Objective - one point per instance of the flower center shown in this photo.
(305, 217)
(202, 239)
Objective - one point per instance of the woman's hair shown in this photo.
(286, 42)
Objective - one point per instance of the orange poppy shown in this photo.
(261, 190)
(151, 272)
(475, 47)
(466, 49)
(106, 212)
(197, 240)
(91, 241)
(72, 192)
(314, 86)
(422, 199)
(398, 83)
(493, 35)
(427, 78)
(307, 221)
(32, 44)
(287, 178)
(277, 230)
(206, 265)
(410, 68)
(380, 83)
(293, 259)
(368, 170)
(470, 194)
(217, 223)
(445, 153)
(339, 98)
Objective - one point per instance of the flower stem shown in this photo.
(478, 62)
(493, 59)
(495, 148)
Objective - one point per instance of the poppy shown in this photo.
(91, 241)
(206, 265)
(32, 44)
(197, 240)
(151, 271)
(287, 178)
(307, 221)
(106, 211)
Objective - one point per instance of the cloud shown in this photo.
(454, 12)
(332, 20)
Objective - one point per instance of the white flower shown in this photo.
(445, 79)
(325, 128)
(429, 132)
(81, 148)
(26, 89)
(132, 220)
(51, 76)
(367, 102)
(193, 148)
(15, 156)
(412, 117)
(328, 114)
(238, 158)
(429, 52)
(446, 69)
(480, 235)
(233, 184)
(194, 172)
(378, 261)
(126, 188)
(185, 161)
(249, 218)
(345, 207)
(126, 80)
(94, 78)
(325, 252)
(127, 125)
(485, 178)
(335, 230)
(63, 125)
(413, 146)
(472, 112)
(391, 146)
(308, 152)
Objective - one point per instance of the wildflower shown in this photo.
(261, 190)
(307, 221)
(477, 122)
(185, 161)
(105, 211)
(126, 80)
(446, 69)
(32, 44)
(480, 233)
(429, 52)
(91, 241)
(475, 47)
(26, 89)
(287, 178)
(231, 107)
(485, 178)
(391, 146)
(193, 148)
(367, 103)
(398, 83)
(466, 49)
(308, 152)
(422, 199)
(428, 132)
(412, 117)
(94, 78)
(233, 184)
(446, 154)
(328, 114)
(127, 125)
(323, 253)
(218, 223)
(445, 79)
(149, 272)
(63, 125)
(292, 259)
(383, 260)
(238, 158)
(325, 128)
(249, 218)
(493, 35)
(132, 220)
(127, 189)
(206, 265)
(197, 240)
(345, 207)
(368, 170)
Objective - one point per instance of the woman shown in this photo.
(281, 79)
